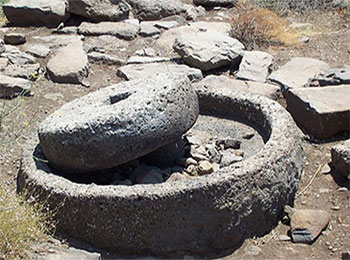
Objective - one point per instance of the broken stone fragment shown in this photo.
(15, 38)
(204, 167)
(306, 224)
(229, 157)
(229, 143)
(341, 158)
(11, 87)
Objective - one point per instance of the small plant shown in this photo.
(21, 223)
(255, 26)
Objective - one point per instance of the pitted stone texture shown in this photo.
(38, 12)
(121, 30)
(212, 3)
(322, 112)
(11, 87)
(154, 10)
(209, 50)
(102, 10)
(224, 82)
(255, 66)
(298, 72)
(341, 158)
(137, 71)
(69, 64)
(202, 215)
(119, 123)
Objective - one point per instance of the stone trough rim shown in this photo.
(283, 130)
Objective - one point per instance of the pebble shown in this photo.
(205, 167)
(325, 169)
(248, 135)
(342, 189)
(176, 176)
(186, 161)
(14, 38)
(191, 169)
(335, 208)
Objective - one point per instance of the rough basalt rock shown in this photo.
(38, 12)
(195, 216)
(119, 123)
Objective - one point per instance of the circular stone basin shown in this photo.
(197, 216)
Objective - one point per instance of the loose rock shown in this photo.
(306, 224)
(334, 77)
(136, 71)
(204, 167)
(313, 111)
(229, 143)
(69, 64)
(229, 157)
(341, 158)
(38, 50)
(121, 30)
(255, 66)
(39, 12)
(104, 58)
(209, 50)
(15, 38)
(298, 72)
(11, 87)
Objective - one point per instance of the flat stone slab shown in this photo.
(39, 12)
(38, 50)
(322, 112)
(104, 58)
(23, 71)
(255, 66)
(209, 50)
(18, 57)
(145, 59)
(212, 3)
(148, 10)
(119, 123)
(56, 41)
(298, 72)
(102, 10)
(167, 38)
(230, 84)
(12, 87)
(341, 158)
(121, 30)
(69, 64)
(136, 71)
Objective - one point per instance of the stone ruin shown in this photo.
(175, 159)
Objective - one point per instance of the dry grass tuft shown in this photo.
(21, 223)
(255, 26)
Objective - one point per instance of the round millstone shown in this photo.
(119, 123)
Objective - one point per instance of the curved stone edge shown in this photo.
(199, 216)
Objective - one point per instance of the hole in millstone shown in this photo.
(119, 97)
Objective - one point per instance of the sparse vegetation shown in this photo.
(257, 26)
(21, 223)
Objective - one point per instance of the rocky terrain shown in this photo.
(53, 52)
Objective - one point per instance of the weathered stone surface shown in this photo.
(224, 82)
(102, 10)
(136, 71)
(334, 77)
(321, 112)
(11, 87)
(119, 123)
(154, 10)
(209, 50)
(255, 66)
(307, 224)
(55, 41)
(147, 29)
(217, 196)
(121, 30)
(20, 71)
(14, 38)
(212, 3)
(341, 158)
(298, 72)
(69, 64)
(39, 12)
(104, 58)
(38, 50)
(167, 38)
(19, 58)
